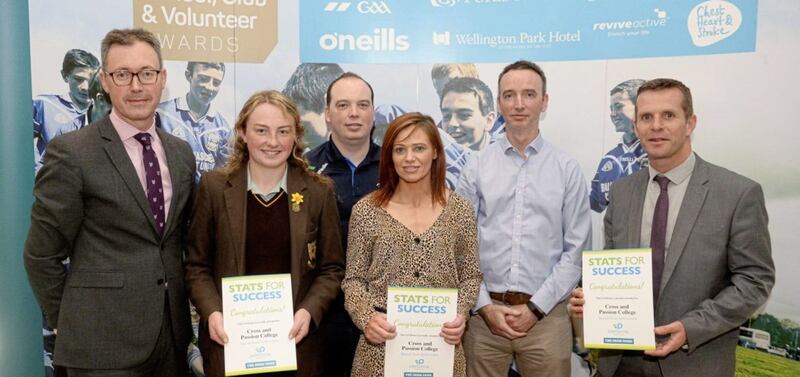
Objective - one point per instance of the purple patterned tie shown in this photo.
(152, 172)
(658, 234)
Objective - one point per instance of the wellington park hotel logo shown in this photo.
(533, 39)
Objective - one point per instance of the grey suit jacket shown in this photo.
(718, 269)
(89, 205)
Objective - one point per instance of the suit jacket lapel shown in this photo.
(636, 203)
(295, 183)
(693, 200)
(235, 197)
(122, 163)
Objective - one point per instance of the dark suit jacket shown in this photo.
(216, 250)
(718, 269)
(90, 206)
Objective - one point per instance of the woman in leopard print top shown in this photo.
(411, 232)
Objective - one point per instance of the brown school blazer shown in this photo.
(216, 250)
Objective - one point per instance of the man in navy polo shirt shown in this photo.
(351, 160)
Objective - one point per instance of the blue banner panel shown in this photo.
(429, 31)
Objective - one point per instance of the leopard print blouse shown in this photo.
(382, 252)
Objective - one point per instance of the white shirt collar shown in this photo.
(281, 185)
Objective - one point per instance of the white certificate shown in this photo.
(258, 315)
(418, 314)
(618, 288)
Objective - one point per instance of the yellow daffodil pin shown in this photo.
(297, 199)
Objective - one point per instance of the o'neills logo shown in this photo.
(382, 39)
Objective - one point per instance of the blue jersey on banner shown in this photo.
(456, 156)
(619, 162)
(77, 123)
(51, 114)
(208, 136)
(498, 128)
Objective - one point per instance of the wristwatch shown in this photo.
(538, 313)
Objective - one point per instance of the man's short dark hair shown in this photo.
(309, 83)
(345, 76)
(190, 66)
(474, 86)
(629, 86)
(127, 37)
(77, 58)
(520, 65)
(664, 84)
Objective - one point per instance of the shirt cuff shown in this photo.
(483, 298)
(543, 302)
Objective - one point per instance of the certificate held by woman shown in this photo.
(419, 315)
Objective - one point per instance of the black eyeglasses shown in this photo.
(125, 78)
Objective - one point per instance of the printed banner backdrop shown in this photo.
(738, 57)
(423, 31)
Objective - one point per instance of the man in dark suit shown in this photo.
(113, 197)
(707, 226)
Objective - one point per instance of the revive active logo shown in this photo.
(640, 26)
(381, 39)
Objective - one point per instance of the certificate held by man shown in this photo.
(258, 315)
(418, 314)
(618, 289)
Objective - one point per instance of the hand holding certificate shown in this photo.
(258, 318)
(618, 309)
(419, 349)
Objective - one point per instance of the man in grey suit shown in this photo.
(707, 226)
(113, 197)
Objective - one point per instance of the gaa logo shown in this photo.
(363, 7)
(373, 7)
